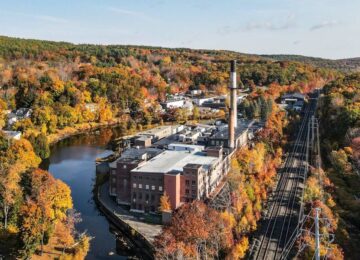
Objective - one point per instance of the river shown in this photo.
(73, 161)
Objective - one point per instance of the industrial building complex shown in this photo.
(185, 162)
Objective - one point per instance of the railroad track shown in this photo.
(283, 215)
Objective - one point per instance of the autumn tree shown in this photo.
(20, 157)
(165, 203)
(47, 202)
(195, 231)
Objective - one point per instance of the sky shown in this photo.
(319, 28)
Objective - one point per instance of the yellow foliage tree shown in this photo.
(239, 250)
(165, 203)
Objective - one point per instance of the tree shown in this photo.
(40, 144)
(47, 202)
(20, 157)
(9, 188)
(165, 203)
(196, 113)
(195, 231)
(239, 250)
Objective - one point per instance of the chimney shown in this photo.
(233, 105)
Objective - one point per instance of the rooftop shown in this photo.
(293, 95)
(169, 161)
(224, 133)
(136, 154)
(155, 130)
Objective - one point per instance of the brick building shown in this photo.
(184, 172)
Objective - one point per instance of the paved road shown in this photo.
(149, 231)
(284, 207)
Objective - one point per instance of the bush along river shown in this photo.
(72, 160)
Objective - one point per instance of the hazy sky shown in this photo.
(322, 28)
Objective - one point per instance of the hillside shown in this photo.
(57, 79)
(68, 87)
(345, 65)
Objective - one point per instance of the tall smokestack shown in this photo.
(233, 105)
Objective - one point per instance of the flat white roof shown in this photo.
(191, 146)
(175, 160)
(156, 130)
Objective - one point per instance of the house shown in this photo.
(19, 114)
(292, 98)
(15, 135)
(201, 101)
(173, 103)
(92, 107)
(188, 105)
(195, 92)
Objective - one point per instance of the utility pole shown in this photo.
(317, 235)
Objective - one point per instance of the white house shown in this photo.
(16, 135)
(19, 114)
(200, 101)
(173, 103)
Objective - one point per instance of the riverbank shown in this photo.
(62, 134)
(140, 234)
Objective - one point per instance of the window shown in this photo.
(152, 197)
(114, 180)
(134, 185)
(187, 182)
(113, 172)
(140, 177)
(140, 186)
(140, 195)
(147, 197)
(153, 187)
(193, 191)
(160, 188)
(187, 191)
(146, 186)
(134, 195)
(193, 182)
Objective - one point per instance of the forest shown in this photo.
(345, 65)
(70, 87)
(340, 116)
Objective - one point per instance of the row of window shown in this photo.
(146, 178)
(146, 186)
(187, 182)
(140, 196)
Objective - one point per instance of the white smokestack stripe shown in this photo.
(233, 105)
(234, 96)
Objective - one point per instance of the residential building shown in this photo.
(292, 98)
(16, 135)
(17, 115)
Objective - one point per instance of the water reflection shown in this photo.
(73, 161)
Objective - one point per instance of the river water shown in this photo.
(73, 161)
